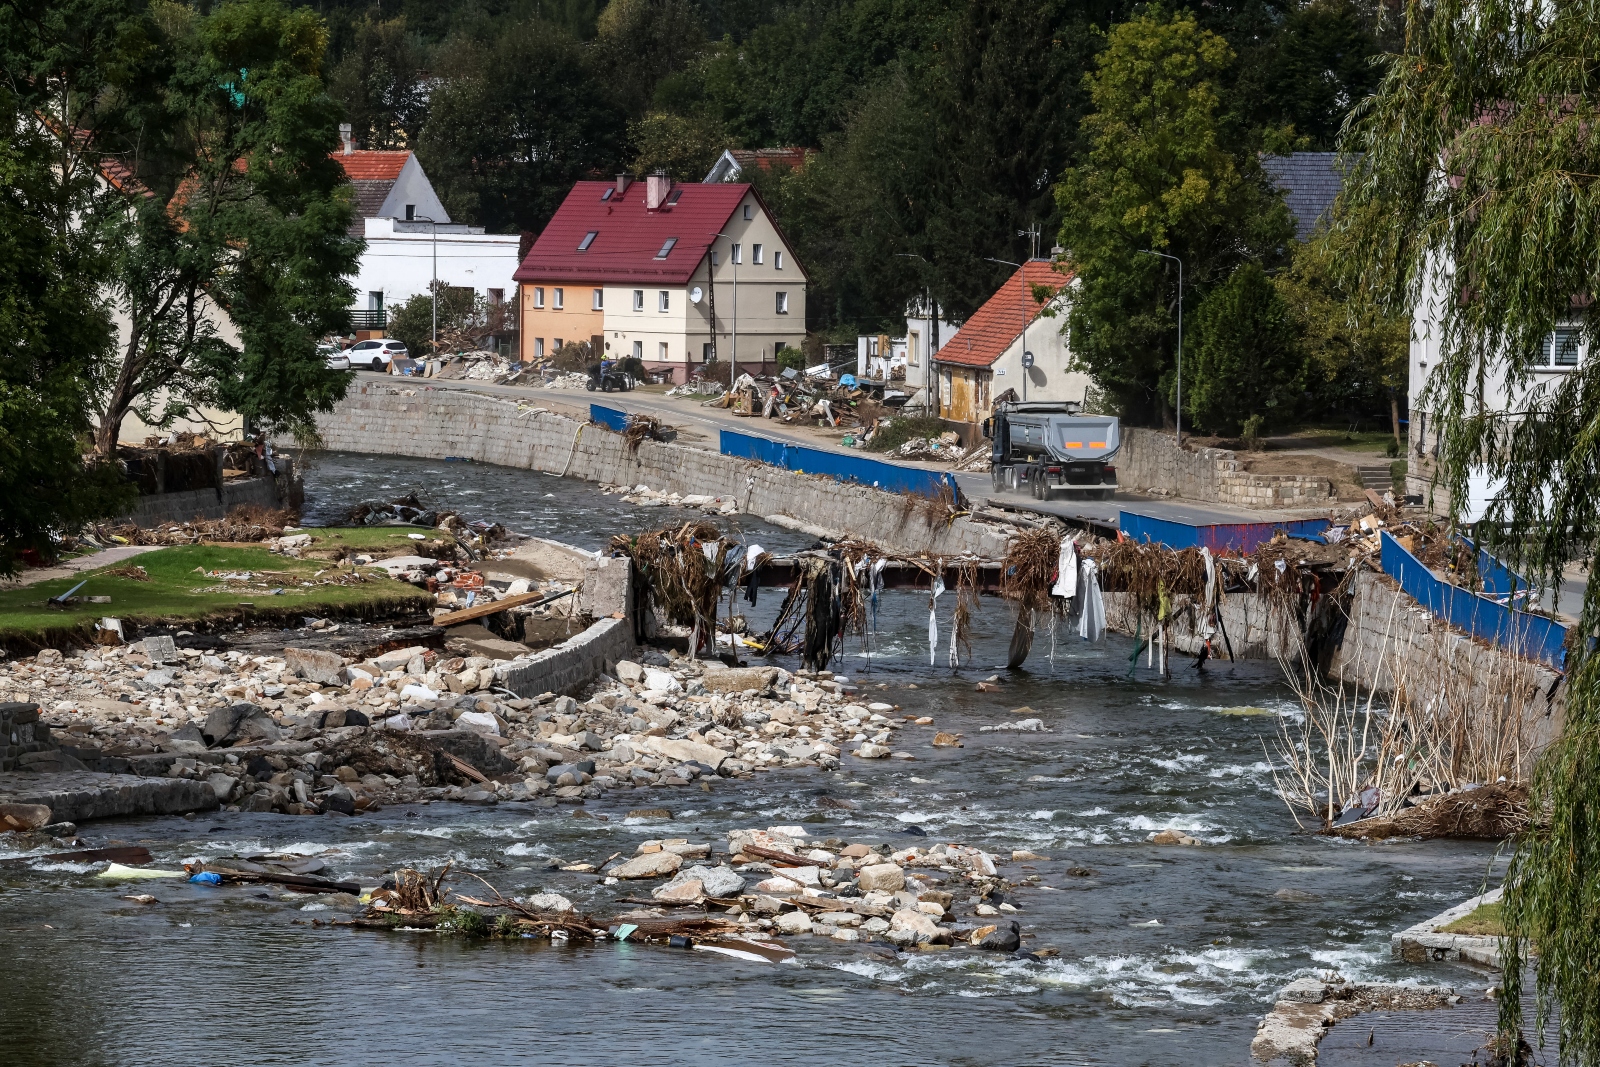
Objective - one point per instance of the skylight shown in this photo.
(588, 239)
(607, 194)
(677, 194)
(667, 247)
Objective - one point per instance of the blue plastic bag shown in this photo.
(207, 878)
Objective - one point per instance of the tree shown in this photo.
(1158, 176)
(1356, 353)
(685, 147)
(639, 42)
(513, 122)
(467, 321)
(380, 82)
(234, 216)
(1246, 361)
(1472, 194)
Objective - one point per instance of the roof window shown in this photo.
(610, 189)
(588, 239)
(666, 247)
(677, 194)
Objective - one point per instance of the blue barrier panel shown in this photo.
(610, 418)
(1530, 636)
(1498, 579)
(844, 468)
(1218, 537)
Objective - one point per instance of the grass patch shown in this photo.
(177, 591)
(1376, 441)
(387, 540)
(1484, 921)
(903, 428)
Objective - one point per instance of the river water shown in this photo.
(1168, 955)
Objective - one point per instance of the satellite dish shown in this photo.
(696, 294)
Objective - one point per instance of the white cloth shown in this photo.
(1208, 611)
(751, 554)
(1067, 571)
(1092, 620)
(933, 621)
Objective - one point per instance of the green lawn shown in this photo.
(1375, 441)
(325, 541)
(1485, 921)
(178, 590)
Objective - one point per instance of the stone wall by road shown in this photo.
(421, 421)
(157, 508)
(1151, 461)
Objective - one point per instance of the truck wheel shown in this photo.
(1036, 482)
(997, 477)
(1011, 479)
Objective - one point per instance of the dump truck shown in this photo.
(1049, 446)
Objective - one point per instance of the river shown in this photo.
(1167, 955)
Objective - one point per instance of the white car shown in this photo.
(333, 358)
(375, 354)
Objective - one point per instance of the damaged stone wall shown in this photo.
(157, 508)
(607, 597)
(1150, 461)
(431, 423)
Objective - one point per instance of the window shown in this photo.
(661, 351)
(777, 260)
(411, 212)
(913, 342)
(677, 194)
(638, 300)
(714, 259)
(666, 247)
(375, 300)
(638, 350)
(559, 342)
(736, 257)
(538, 296)
(538, 348)
(705, 352)
(1560, 348)
(588, 239)
(755, 253)
(661, 300)
(560, 299)
(599, 299)
(749, 212)
(497, 296)
(610, 191)
(783, 303)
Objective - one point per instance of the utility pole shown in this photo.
(733, 344)
(931, 307)
(1179, 262)
(1022, 280)
(435, 227)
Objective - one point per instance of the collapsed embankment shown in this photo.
(438, 423)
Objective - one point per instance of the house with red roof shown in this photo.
(1012, 346)
(731, 165)
(411, 240)
(674, 274)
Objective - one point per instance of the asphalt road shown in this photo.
(699, 426)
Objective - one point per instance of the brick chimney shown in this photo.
(657, 186)
(344, 135)
(623, 181)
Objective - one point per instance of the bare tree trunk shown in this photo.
(1394, 415)
(123, 394)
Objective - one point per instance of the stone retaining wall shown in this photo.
(1150, 461)
(22, 736)
(606, 597)
(427, 422)
(157, 508)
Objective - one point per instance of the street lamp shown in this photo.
(1026, 362)
(1179, 262)
(435, 227)
(733, 344)
(933, 332)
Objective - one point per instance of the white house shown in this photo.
(1012, 344)
(411, 240)
(674, 275)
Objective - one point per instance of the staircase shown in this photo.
(1376, 477)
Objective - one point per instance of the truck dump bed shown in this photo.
(1069, 438)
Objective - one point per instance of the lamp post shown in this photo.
(733, 344)
(1179, 262)
(1023, 278)
(435, 228)
(933, 334)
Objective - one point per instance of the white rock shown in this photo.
(661, 681)
(479, 722)
(794, 922)
(881, 877)
(418, 692)
(548, 902)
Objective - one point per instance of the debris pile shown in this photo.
(643, 496)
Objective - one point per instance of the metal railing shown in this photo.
(369, 320)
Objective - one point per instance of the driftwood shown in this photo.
(132, 855)
(303, 882)
(774, 856)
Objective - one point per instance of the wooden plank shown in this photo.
(132, 855)
(492, 607)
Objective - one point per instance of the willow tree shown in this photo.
(1474, 195)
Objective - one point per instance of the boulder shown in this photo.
(390, 661)
(24, 816)
(868, 750)
(548, 902)
(340, 799)
(315, 665)
(885, 877)
(652, 865)
(223, 785)
(911, 926)
(1172, 837)
(661, 681)
(794, 922)
(240, 722)
(682, 891)
(998, 938)
(738, 679)
(629, 672)
(186, 741)
(482, 722)
(684, 751)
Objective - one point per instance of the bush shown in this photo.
(904, 428)
(791, 357)
(1248, 362)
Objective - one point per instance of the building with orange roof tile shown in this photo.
(984, 361)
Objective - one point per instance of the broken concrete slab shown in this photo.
(315, 665)
(75, 796)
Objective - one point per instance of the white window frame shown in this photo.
(755, 253)
(777, 260)
(599, 300)
(1570, 340)
(783, 303)
(638, 350)
(666, 247)
(538, 348)
(638, 300)
(749, 212)
(538, 296)
(661, 352)
(664, 301)
(738, 254)
(559, 299)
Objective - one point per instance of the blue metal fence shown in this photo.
(844, 468)
(1530, 636)
(1498, 579)
(610, 418)
(1237, 536)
